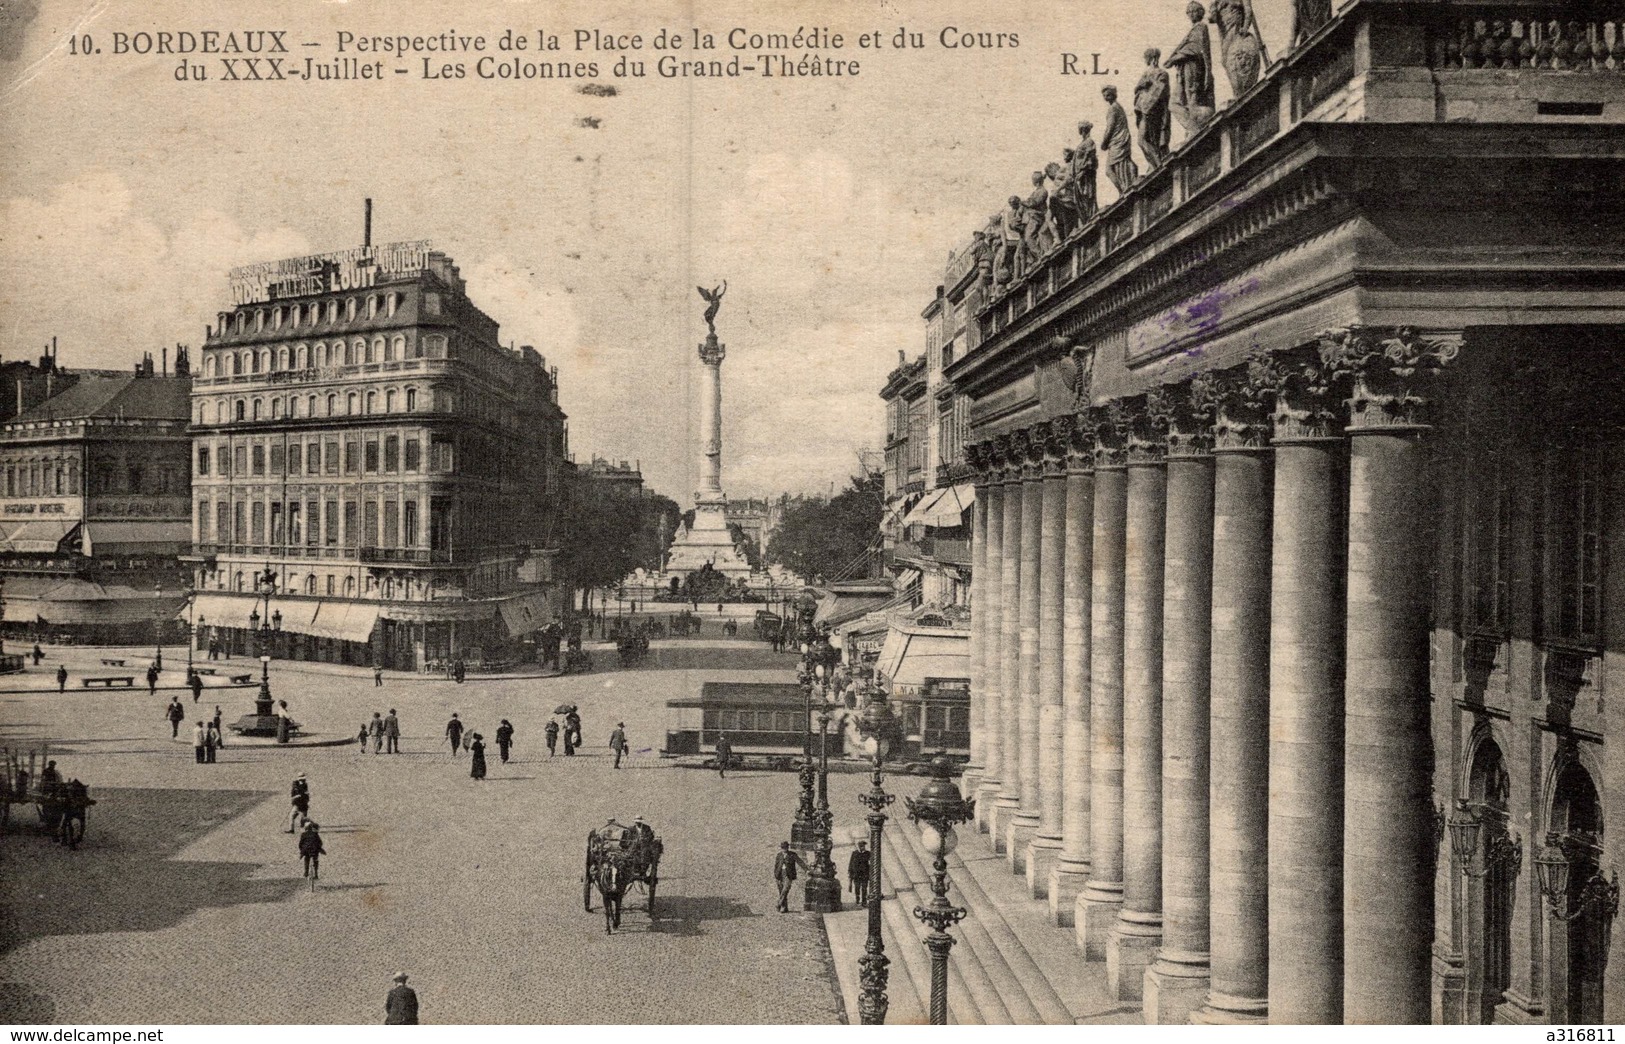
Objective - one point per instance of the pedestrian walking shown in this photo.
(572, 726)
(214, 648)
(392, 732)
(725, 752)
(454, 732)
(459, 670)
(401, 1006)
(311, 850)
(375, 729)
(377, 676)
(504, 739)
(857, 873)
(551, 732)
(61, 679)
(194, 681)
(38, 654)
(784, 873)
(284, 724)
(152, 679)
(617, 742)
(176, 715)
(476, 747)
(220, 733)
(299, 797)
(361, 739)
(211, 741)
(199, 738)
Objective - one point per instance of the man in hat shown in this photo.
(194, 681)
(725, 751)
(61, 679)
(617, 742)
(784, 872)
(299, 797)
(176, 714)
(639, 833)
(401, 1006)
(857, 873)
(454, 732)
(392, 732)
(551, 732)
(200, 738)
(375, 729)
(311, 851)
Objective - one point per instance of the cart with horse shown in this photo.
(619, 857)
(29, 777)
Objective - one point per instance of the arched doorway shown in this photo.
(1489, 896)
(1579, 946)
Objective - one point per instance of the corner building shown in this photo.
(1332, 397)
(360, 435)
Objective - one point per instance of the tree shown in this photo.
(607, 534)
(819, 538)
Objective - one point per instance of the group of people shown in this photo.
(463, 738)
(208, 736)
(310, 837)
(382, 732)
(788, 861)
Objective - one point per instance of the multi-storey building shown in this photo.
(94, 506)
(372, 458)
(1300, 536)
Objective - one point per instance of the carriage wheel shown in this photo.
(586, 888)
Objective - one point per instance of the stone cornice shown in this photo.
(1390, 368)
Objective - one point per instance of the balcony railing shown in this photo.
(406, 555)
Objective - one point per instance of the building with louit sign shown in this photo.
(94, 508)
(361, 436)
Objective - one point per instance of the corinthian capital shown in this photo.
(1244, 399)
(1110, 424)
(1303, 406)
(1148, 427)
(1391, 369)
(1080, 448)
(1187, 410)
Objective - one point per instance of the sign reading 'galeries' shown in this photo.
(354, 269)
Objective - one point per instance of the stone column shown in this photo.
(976, 768)
(1045, 848)
(1071, 870)
(1138, 931)
(1306, 706)
(1387, 744)
(1024, 823)
(1240, 708)
(987, 608)
(1177, 984)
(1102, 897)
(1010, 644)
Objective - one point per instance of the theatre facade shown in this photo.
(374, 473)
(1298, 594)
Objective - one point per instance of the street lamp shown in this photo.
(938, 809)
(804, 831)
(823, 888)
(158, 625)
(876, 724)
(1553, 866)
(1500, 850)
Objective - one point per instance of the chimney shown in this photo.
(366, 228)
(165, 371)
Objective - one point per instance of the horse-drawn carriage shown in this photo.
(29, 777)
(617, 858)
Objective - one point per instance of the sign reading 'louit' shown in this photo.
(354, 269)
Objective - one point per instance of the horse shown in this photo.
(611, 884)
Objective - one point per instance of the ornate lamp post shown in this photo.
(1553, 866)
(804, 831)
(938, 809)
(876, 724)
(191, 630)
(823, 888)
(158, 625)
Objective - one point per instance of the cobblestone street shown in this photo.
(185, 904)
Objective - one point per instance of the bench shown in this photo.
(128, 681)
(112, 663)
(203, 670)
(242, 679)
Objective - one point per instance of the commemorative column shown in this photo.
(1388, 831)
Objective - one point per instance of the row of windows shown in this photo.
(313, 312)
(226, 363)
(42, 479)
(352, 404)
(387, 455)
(312, 523)
(313, 584)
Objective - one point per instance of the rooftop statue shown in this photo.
(1084, 172)
(1151, 109)
(1192, 64)
(1241, 47)
(713, 299)
(1114, 142)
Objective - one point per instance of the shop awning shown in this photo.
(912, 657)
(948, 507)
(524, 614)
(222, 610)
(38, 536)
(927, 502)
(107, 538)
(894, 512)
(346, 621)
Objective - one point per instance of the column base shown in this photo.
(1222, 1009)
(1004, 810)
(986, 795)
(1042, 855)
(1175, 988)
(1449, 989)
(1133, 945)
(1518, 1010)
(1093, 916)
(1066, 881)
(970, 777)
(1018, 834)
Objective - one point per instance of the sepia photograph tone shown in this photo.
(827, 512)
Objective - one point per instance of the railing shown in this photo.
(1517, 38)
(405, 555)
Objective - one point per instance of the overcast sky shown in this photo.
(582, 223)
